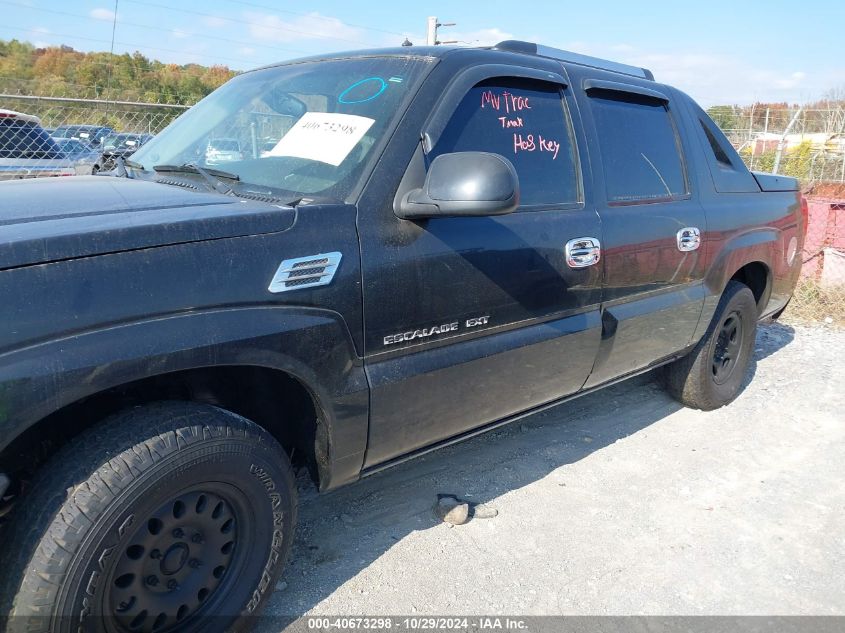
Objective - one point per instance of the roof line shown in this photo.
(530, 48)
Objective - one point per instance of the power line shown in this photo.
(158, 28)
(316, 17)
(247, 22)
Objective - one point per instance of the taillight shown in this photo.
(805, 213)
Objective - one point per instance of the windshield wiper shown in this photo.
(210, 175)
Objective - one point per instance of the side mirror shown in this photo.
(464, 184)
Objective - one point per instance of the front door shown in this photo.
(469, 320)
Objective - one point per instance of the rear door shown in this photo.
(652, 222)
(469, 320)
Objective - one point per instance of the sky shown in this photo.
(720, 52)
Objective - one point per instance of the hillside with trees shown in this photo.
(61, 71)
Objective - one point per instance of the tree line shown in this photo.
(61, 71)
(823, 115)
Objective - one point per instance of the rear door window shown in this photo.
(525, 121)
(639, 146)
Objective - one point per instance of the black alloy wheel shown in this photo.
(176, 562)
(728, 347)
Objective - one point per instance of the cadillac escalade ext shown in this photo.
(414, 246)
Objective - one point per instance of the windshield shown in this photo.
(72, 146)
(303, 129)
(117, 140)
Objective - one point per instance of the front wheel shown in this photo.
(170, 517)
(711, 375)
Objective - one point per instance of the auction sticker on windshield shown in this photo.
(327, 137)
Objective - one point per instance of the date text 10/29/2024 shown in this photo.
(417, 623)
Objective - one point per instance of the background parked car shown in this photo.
(84, 156)
(27, 151)
(114, 145)
(267, 146)
(222, 150)
(91, 134)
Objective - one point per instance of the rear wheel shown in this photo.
(173, 517)
(711, 375)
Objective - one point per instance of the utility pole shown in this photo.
(431, 31)
(782, 141)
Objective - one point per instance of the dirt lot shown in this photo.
(616, 503)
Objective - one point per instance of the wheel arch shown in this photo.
(273, 366)
(276, 400)
(747, 257)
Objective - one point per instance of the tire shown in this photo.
(180, 510)
(711, 375)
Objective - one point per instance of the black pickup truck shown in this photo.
(410, 247)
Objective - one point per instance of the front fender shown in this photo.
(312, 345)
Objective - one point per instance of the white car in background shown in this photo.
(223, 150)
(27, 150)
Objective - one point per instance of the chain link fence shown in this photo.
(808, 144)
(820, 295)
(61, 136)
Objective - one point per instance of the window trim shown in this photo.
(465, 81)
(617, 91)
(616, 86)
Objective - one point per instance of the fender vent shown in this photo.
(305, 272)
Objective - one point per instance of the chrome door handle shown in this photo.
(689, 239)
(582, 252)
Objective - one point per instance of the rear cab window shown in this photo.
(527, 122)
(727, 170)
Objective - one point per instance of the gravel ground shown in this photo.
(621, 502)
